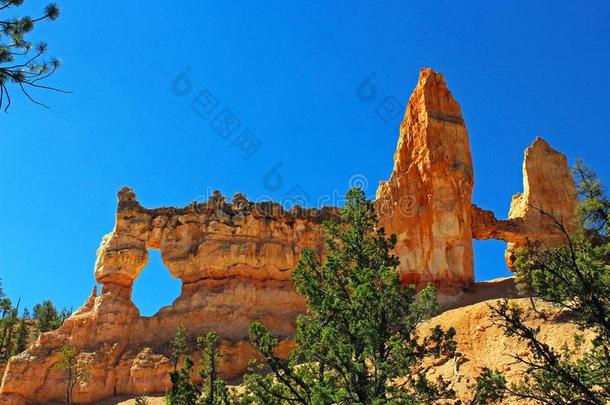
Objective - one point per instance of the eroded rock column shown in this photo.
(427, 200)
(549, 194)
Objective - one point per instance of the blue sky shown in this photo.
(290, 75)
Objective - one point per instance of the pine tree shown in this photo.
(178, 346)
(5, 306)
(214, 389)
(576, 279)
(7, 337)
(358, 341)
(183, 391)
(489, 388)
(23, 333)
(47, 317)
(76, 370)
(22, 63)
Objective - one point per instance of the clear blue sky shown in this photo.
(289, 73)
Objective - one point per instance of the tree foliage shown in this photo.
(214, 389)
(178, 346)
(14, 331)
(23, 63)
(575, 278)
(17, 332)
(358, 341)
(48, 317)
(210, 390)
(23, 333)
(489, 388)
(76, 370)
(595, 204)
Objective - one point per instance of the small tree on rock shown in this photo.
(212, 390)
(76, 370)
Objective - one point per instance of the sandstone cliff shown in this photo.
(234, 259)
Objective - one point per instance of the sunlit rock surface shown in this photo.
(427, 200)
(235, 259)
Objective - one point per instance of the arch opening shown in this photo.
(489, 263)
(155, 288)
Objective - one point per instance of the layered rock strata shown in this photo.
(235, 259)
(549, 199)
(427, 200)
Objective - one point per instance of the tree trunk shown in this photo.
(70, 387)
(8, 343)
(2, 339)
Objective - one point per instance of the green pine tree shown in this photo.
(6, 345)
(23, 333)
(178, 346)
(214, 389)
(576, 279)
(22, 63)
(76, 370)
(183, 390)
(47, 317)
(358, 341)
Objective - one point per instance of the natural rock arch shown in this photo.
(155, 287)
(234, 259)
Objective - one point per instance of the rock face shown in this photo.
(549, 195)
(235, 259)
(215, 240)
(427, 200)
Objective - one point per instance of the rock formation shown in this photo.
(549, 197)
(427, 200)
(234, 259)
(482, 344)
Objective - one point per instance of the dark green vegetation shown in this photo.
(575, 278)
(17, 332)
(357, 343)
(210, 389)
(47, 317)
(22, 63)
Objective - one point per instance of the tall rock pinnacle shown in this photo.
(427, 200)
(549, 194)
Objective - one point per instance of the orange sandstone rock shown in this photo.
(427, 200)
(549, 195)
(235, 259)
(549, 198)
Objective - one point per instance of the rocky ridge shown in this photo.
(234, 259)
